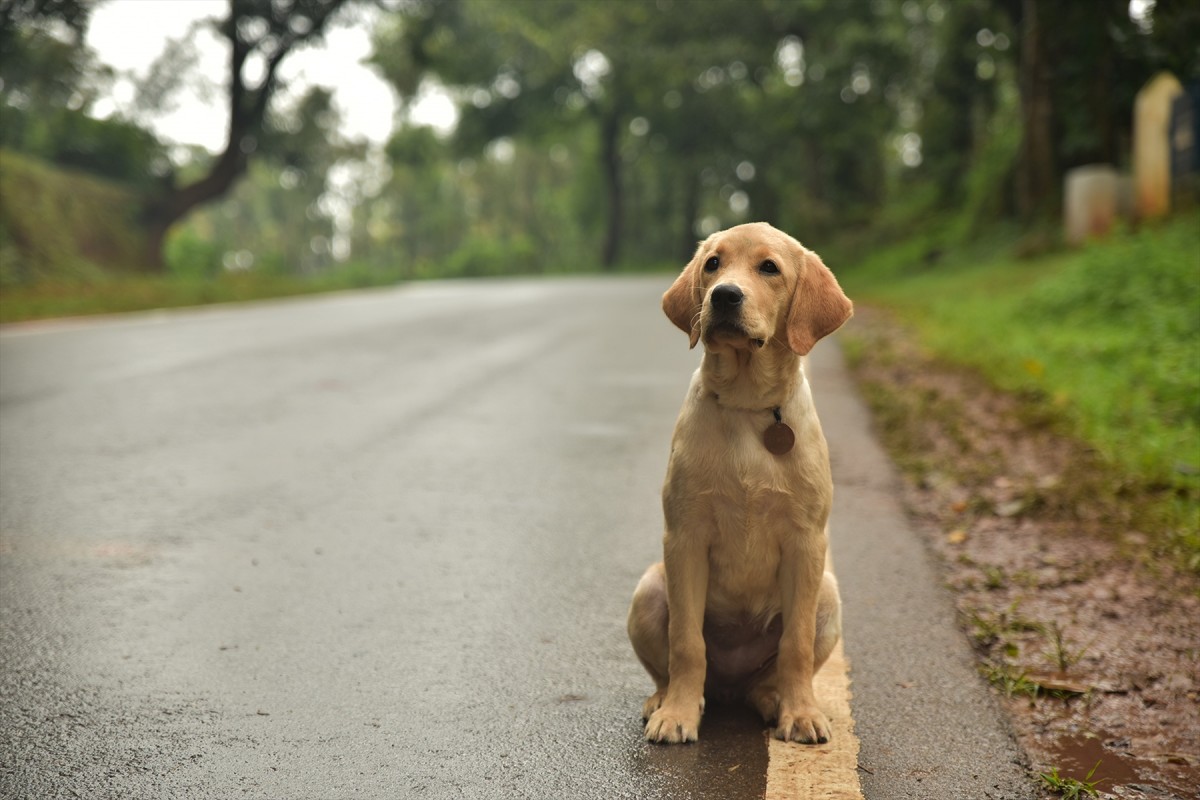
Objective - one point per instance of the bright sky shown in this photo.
(129, 35)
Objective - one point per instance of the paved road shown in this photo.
(381, 544)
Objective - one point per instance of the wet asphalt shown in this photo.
(381, 545)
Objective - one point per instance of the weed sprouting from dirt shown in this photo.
(989, 630)
(1060, 653)
(1010, 681)
(1071, 788)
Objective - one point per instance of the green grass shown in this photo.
(1070, 788)
(1103, 343)
(114, 294)
(62, 225)
(106, 293)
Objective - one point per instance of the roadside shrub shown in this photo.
(1137, 297)
(1149, 279)
(189, 255)
(483, 257)
(116, 149)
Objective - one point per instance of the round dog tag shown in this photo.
(779, 438)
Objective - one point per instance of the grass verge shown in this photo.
(115, 294)
(1101, 344)
(106, 293)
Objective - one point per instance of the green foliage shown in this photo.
(47, 84)
(191, 256)
(961, 101)
(1100, 60)
(305, 136)
(676, 118)
(512, 210)
(482, 257)
(111, 148)
(1103, 341)
(1136, 298)
(272, 222)
(45, 63)
(1146, 280)
(637, 124)
(59, 226)
(1062, 655)
(985, 194)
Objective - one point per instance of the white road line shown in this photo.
(826, 771)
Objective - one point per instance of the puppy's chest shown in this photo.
(741, 467)
(750, 526)
(751, 515)
(749, 503)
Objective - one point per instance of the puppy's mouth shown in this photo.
(730, 332)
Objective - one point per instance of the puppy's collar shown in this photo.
(774, 409)
(779, 439)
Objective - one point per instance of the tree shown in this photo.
(261, 34)
(18, 14)
(49, 81)
(688, 108)
(522, 67)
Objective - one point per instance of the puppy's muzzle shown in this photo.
(726, 301)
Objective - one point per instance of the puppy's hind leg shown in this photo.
(647, 627)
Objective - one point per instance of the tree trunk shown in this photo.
(154, 241)
(1037, 175)
(162, 210)
(764, 200)
(610, 154)
(691, 208)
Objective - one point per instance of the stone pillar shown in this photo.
(1090, 202)
(1152, 145)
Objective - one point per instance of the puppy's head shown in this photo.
(753, 284)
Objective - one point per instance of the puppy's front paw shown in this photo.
(806, 725)
(674, 724)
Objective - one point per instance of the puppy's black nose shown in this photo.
(727, 296)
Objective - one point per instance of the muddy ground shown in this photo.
(1092, 642)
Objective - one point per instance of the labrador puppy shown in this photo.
(741, 604)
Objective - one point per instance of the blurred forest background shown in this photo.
(591, 135)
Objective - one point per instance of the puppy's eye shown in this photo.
(712, 264)
(768, 267)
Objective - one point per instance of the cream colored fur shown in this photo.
(741, 602)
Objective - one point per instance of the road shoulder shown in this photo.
(927, 723)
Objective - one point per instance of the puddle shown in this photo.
(729, 761)
(1076, 755)
(1119, 774)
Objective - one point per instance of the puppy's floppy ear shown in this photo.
(682, 301)
(819, 306)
